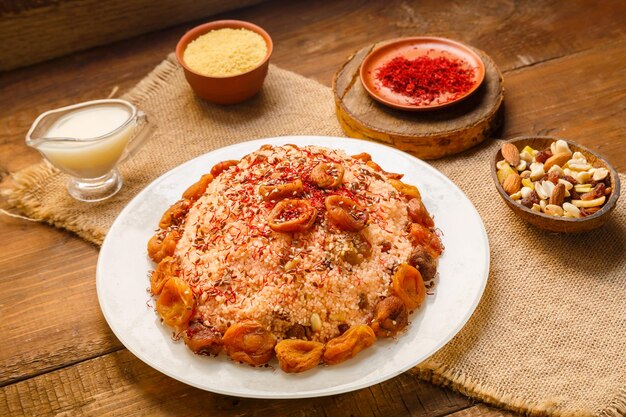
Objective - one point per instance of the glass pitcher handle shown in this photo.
(145, 129)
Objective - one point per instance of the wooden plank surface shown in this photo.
(36, 31)
(564, 64)
(119, 384)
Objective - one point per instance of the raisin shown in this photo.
(534, 197)
(363, 301)
(553, 177)
(599, 190)
(542, 156)
(425, 263)
(526, 202)
(588, 211)
(296, 331)
(570, 179)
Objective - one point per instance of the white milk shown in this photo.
(89, 159)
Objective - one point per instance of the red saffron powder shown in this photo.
(426, 79)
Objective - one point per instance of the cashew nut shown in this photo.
(536, 171)
(589, 203)
(553, 210)
(571, 209)
(600, 174)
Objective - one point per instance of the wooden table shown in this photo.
(564, 65)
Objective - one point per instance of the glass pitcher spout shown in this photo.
(88, 140)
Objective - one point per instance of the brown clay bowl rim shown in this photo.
(200, 30)
(395, 44)
(608, 206)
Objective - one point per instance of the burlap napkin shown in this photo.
(548, 337)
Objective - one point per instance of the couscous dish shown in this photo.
(303, 253)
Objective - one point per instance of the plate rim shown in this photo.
(275, 140)
(391, 43)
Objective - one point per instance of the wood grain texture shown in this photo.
(37, 31)
(581, 97)
(425, 134)
(564, 65)
(119, 384)
(47, 308)
(482, 410)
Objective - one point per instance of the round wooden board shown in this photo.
(428, 134)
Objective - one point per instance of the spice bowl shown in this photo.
(420, 57)
(230, 89)
(589, 218)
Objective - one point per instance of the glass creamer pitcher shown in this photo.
(88, 141)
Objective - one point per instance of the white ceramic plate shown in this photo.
(123, 266)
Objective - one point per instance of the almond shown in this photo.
(558, 195)
(512, 184)
(511, 154)
(558, 159)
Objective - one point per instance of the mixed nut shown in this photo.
(554, 181)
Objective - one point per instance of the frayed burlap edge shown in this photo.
(444, 376)
(22, 196)
(617, 407)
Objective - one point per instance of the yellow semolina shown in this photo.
(225, 52)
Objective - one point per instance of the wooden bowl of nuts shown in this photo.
(555, 184)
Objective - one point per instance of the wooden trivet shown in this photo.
(427, 134)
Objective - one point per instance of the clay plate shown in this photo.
(412, 48)
(552, 223)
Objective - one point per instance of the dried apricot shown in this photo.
(426, 238)
(281, 191)
(222, 166)
(196, 190)
(418, 213)
(345, 213)
(327, 175)
(160, 246)
(249, 342)
(364, 156)
(408, 285)
(377, 168)
(167, 268)
(292, 216)
(176, 303)
(390, 316)
(405, 189)
(175, 214)
(346, 346)
(203, 340)
(298, 355)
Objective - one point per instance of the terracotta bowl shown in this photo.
(412, 48)
(553, 223)
(225, 90)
